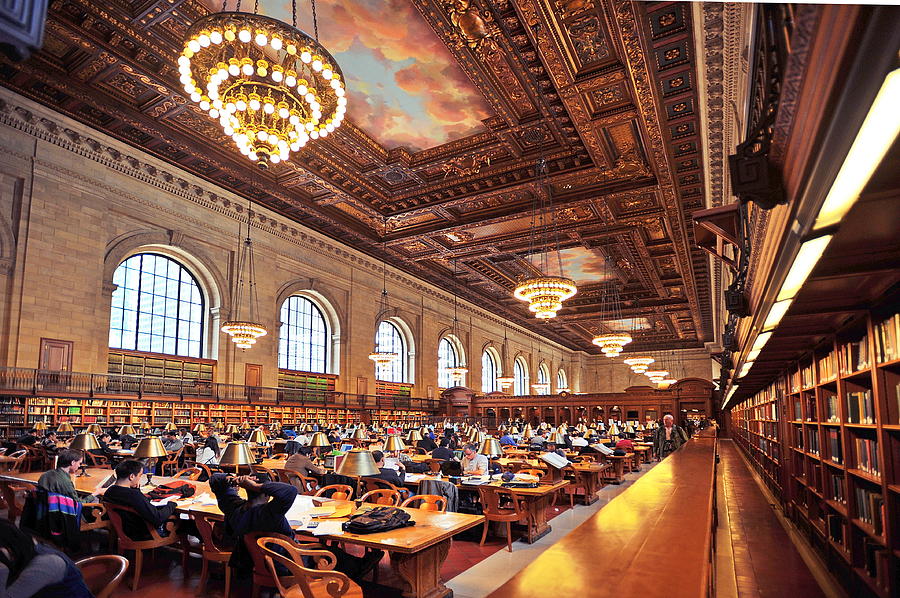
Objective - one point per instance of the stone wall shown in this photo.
(74, 203)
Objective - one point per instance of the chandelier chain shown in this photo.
(294, 12)
(315, 20)
(256, 7)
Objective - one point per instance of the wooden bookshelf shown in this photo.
(838, 420)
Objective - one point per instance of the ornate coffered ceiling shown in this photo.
(606, 91)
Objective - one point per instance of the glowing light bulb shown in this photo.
(194, 46)
(317, 65)
(283, 113)
(247, 69)
(244, 35)
(306, 57)
(277, 76)
(215, 37)
(290, 80)
(268, 108)
(261, 39)
(254, 104)
(327, 74)
(203, 40)
(234, 70)
(276, 43)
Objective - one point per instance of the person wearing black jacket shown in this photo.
(387, 474)
(427, 443)
(443, 452)
(259, 514)
(126, 492)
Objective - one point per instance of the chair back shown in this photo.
(306, 485)
(279, 456)
(434, 465)
(191, 473)
(96, 460)
(20, 460)
(189, 455)
(426, 502)
(538, 473)
(313, 583)
(490, 504)
(262, 575)
(370, 484)
(206, 528)
(116, 515)
(11, 493)
(382, 496)
(337, 491)
(103, 573)
(255, 468)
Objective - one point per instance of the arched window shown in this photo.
(303, 338)
(520, 373)
(390, 339)
(562, 381)
(543, 377)
(157, 306)
(489, 372)
(448, 357)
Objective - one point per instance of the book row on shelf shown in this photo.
(837, 414)
(20, 413)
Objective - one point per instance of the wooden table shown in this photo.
(416, 553)
(536, 502)
(619, 462)
(656, 537)
(642, 452)
(590, 474)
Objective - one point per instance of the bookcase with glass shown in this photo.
(842, 427)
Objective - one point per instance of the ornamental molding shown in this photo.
(35, 120)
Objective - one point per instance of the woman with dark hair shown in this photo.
(210, 453)
(28, 569)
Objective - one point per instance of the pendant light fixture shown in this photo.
(244, 332)
(271, 87)
(458, 371)
(540, 388)
(504, 381)
(381, 357)
(611, 342)
(544, 293)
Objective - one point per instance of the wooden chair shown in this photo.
(338, 491)
(306, 485)
(427, 502)
(103, 573)
(279, 456)
(14, 497)
(191, 473)
(97, 513)
(188, 455)
(369, 484)
(37, 459)
(434, 465)
(273, 477)
(321, 582)
(99, 461)
(21, 461)
(576, 481)
(116, 514)
(538, 473)
(584, 459)
(381, 496)
(171, 462)
(490, 504)
(211, 551)
(262, 577)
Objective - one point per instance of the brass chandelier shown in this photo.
(612, 342)
(245, 332)
(639, 365)
(545, 293)
(271, 87)
(459, 371)
(504, 381)
(380, 357)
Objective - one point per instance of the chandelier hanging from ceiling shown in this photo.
(544, 293)
(639, 365)
(271, 87)
(504, 381)
(458, 371)
(244, 332)
(613, 341)
(381, 357)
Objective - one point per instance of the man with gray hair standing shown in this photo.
(668, 438)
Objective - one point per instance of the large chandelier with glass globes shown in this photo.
(271, 87)
(639, 365)
(381, 357)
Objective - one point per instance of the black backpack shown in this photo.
(379, 519)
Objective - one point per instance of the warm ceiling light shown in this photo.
(804, 262)
(666, 383)
(656, 375)
(639, 365)
(874, 139)
(540, 388)
(244, 334)
(545, 294)
(457, 373)
(761, 341)
(745, 369)
(272, 87)
(612, 344)
(382, 358)
(505, 381)
(776, 312)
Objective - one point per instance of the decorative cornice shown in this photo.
(22, 114)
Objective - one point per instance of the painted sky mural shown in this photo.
(404, 87)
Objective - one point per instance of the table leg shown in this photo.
(537, 520)
(590, 488)
(422, 571)
(620, 470)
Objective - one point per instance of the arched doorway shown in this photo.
(534, 416)
(549, 416)
(565, 415)
(504, 414)
(596, 414)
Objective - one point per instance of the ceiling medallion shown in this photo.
(272, 87)
(639, 365)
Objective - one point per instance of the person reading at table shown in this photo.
(299, 460)
(104, 451)
(264, 511)
(209, 454)
(393, 476)
(171, 442)
(443, 452)
(507, 440)
(550, 447)
(48, 442)
(59, 480)
(126, 491)
(426, 443)
(472, 462)
(30, 438)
